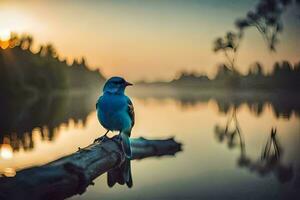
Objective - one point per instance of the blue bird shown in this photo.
(115, 113)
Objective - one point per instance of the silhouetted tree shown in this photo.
(14, 40)
(229, 45)
(267, 19)
(256, 69)
(50, 51)
(26, 42)
(29, 41)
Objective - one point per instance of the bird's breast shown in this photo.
(112, 113)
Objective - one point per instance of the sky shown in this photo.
(146, 39)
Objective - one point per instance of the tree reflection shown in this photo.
(20, 118)
(283, 106)
(271, 155)
(233, 136)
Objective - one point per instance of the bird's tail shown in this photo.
(120, 174)
(126, 144)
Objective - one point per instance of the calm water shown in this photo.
(212, 164)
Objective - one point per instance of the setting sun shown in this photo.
(5, 34)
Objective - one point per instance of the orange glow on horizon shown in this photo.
(5, 34)
(161, 41)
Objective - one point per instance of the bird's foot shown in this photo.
(101, 139)
(117, 139)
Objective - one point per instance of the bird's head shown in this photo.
(115, 85)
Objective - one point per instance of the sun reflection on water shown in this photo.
(6, 151)
(9, 172)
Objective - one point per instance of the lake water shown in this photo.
(212, 165)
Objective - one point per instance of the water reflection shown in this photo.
(271, 155)
(285, 110)
(19, 118)
(46, 115)
(198, 170)
(284, 104)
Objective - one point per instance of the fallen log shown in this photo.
(72, 174)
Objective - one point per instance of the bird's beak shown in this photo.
(128, 84)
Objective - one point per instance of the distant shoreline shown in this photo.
(197, 89)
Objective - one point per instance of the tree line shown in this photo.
(284, 76)
(22, 70)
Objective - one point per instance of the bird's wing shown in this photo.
(130, 111)
(97, 103)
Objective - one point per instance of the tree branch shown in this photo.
(72, 174)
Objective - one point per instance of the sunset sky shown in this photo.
(146, 39)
